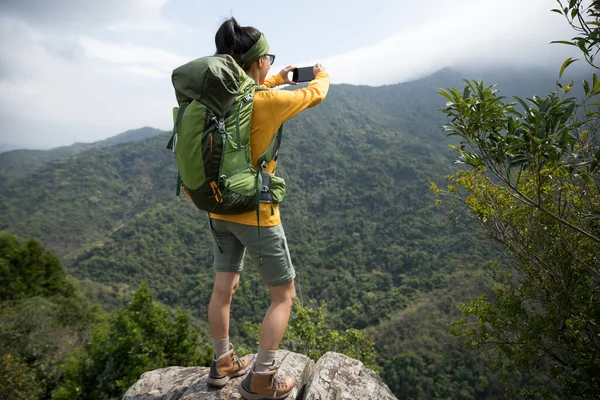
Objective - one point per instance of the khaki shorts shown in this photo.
(230, 241)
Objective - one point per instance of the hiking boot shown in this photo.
(226, 367)
(267, 386)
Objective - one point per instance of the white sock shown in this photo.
(264, 360)
(220, 347)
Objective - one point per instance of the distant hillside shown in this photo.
(129, 136)
(4, 147)
(17, 164)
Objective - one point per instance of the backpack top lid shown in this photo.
(213, 81)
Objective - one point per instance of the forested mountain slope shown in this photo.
(365, 234)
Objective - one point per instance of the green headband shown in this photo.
(259, 49)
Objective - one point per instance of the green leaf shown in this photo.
(592, 216)
(574, 13)
(563, 42)
(466, 92)
(442, 92)
(586, 87)
(523, 104)
(569, 87)
(596, 162)
(456, 94)
(564, 66)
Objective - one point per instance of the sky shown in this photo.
(84, 70)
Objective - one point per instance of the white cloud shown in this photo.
(149, 25)
(83, 14)
(147, 19)
(134, 57)
(104, 92)
(146, 71)
(470, 32)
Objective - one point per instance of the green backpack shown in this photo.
(211, 138)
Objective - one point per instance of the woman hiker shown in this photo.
(238, 232)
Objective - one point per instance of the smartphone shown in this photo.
(304, 74)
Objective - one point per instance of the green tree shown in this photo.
(42, 318)
(18, 381)
(28, 270)
(139, 338)
(534, 186)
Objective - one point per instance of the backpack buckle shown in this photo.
(263, 165)
(221, 125)
(222, 181)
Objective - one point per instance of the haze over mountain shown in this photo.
(4, 147)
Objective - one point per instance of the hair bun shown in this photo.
(236, 27)
(233, 39)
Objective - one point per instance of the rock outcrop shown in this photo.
(338, 377)
(334, 377)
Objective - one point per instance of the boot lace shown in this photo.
(277, 381)
(236, 361)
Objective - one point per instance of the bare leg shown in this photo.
(278, 314)
(226, 283)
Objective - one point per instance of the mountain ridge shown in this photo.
(18, 163)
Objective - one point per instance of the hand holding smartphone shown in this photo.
(303, 74)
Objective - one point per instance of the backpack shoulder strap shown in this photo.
(272, 151)
(173, 140)
(249, 96)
